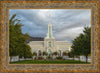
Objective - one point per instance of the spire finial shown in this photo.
(49, 14)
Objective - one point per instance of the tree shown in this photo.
(27, 51)
(87, 42)
(71, 53)
(81, 44)
(77, 46)
(17, 39)
(13, 51)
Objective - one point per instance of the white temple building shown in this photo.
(50, 45)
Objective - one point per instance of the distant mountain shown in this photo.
(34, 39)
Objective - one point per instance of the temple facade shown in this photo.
(50, 45)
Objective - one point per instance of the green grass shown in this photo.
(49, 62)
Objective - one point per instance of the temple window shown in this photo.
(49, 44)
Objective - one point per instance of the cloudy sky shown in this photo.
(67, 23)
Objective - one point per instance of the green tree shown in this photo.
(71, 53)
(87, 42)
(17, 39)
(78, 45)
(81, 44)
(13, 51)
(27, 51)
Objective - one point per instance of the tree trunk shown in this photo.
(86, 59)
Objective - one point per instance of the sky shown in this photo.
(66, 23)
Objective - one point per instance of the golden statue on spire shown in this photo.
(49, 14)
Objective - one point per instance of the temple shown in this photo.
(50, 45)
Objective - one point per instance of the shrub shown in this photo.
(55, 53)
(49, 57)
(65, 54)
(40, 58)
(44, 53)
(59, 58)
(34, 54)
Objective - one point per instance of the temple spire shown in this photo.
(49, 18)
(49, 34)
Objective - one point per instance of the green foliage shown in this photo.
(50, 62)
(34, 54)
(44, 53)
(17, 39)
(72, 53)
(55, 53)
(27, 51)
(65, 54)
(49, 57)
(87, 41)
(59, 58)
(81, 44)
(40, 58)
(77, 45)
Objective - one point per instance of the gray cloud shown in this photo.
(67, 23)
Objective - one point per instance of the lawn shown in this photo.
(49, 62)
